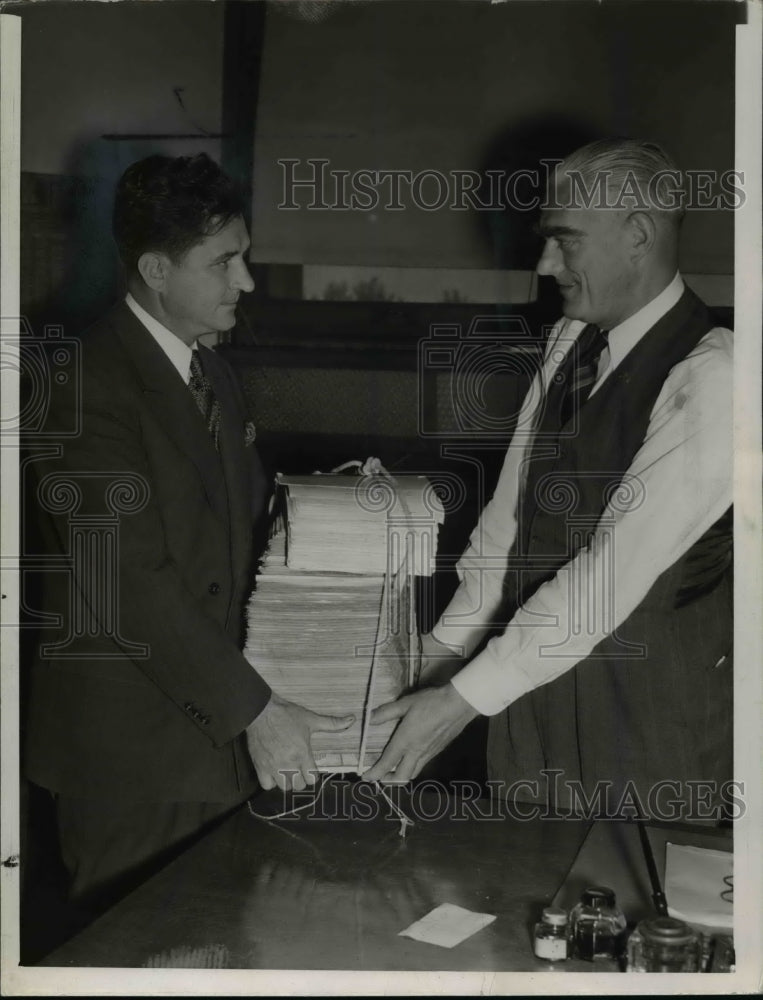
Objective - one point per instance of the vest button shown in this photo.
(214, 588)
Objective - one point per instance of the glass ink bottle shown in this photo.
(598, 926)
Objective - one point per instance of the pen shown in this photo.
(658, 896)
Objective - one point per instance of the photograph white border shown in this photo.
(30, 981)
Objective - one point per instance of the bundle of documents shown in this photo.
(361, 524)
(331, 622)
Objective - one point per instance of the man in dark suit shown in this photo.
(599, 570)
(145, 721)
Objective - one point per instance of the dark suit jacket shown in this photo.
(142, 690)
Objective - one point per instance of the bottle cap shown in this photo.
(598, 895)
(555, 915)
(666, 930)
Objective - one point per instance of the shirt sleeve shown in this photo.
(678, 485)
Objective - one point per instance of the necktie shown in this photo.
(201, 390)
(590, 346)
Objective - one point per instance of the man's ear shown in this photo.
(642, 231)
(152, 267)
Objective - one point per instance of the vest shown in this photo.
(575, 471)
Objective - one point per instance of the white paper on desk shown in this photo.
(447, 925)
(694, 883)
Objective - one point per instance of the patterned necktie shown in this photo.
(201, 390)
(590, 346)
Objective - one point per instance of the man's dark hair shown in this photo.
(168, 205)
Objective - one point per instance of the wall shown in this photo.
(89, 70)
(94, 68)
(457, 85)
(414, 85)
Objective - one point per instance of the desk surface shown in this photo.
(325, 892)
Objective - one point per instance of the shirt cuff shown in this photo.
(489, 686)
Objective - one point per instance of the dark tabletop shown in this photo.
(326, 892)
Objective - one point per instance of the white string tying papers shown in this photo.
(371, 467)
(405, 821)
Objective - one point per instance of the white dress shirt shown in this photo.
(684, 466)
(176, 350)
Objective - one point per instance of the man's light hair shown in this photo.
(625, 174)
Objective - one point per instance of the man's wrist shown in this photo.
(272, 697)
(460, 702)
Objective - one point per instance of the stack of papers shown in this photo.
(336, 643)
(361, 524)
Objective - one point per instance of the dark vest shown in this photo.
(576, 469)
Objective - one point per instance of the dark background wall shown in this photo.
(445, 85)
(94, 68)
(453, 85)
(91, 70)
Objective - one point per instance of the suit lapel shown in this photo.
(173, 405)
(236, 460)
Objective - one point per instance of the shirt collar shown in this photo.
(178, 352)
(624, 337)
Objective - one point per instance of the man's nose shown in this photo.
(550, 263)
(241, 277)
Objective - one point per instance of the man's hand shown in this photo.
(429, 720)
(279, 743)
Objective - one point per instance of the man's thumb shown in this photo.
(331, 723)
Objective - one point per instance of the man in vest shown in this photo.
(594, 612)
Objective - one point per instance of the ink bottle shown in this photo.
(598, 926)
(551, 937)
(663, 944)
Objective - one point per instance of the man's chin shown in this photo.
(223, 325)
(227, 319)
(572, 311)
(571, 304)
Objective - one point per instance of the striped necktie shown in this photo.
(201, 390)
(590, 346)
